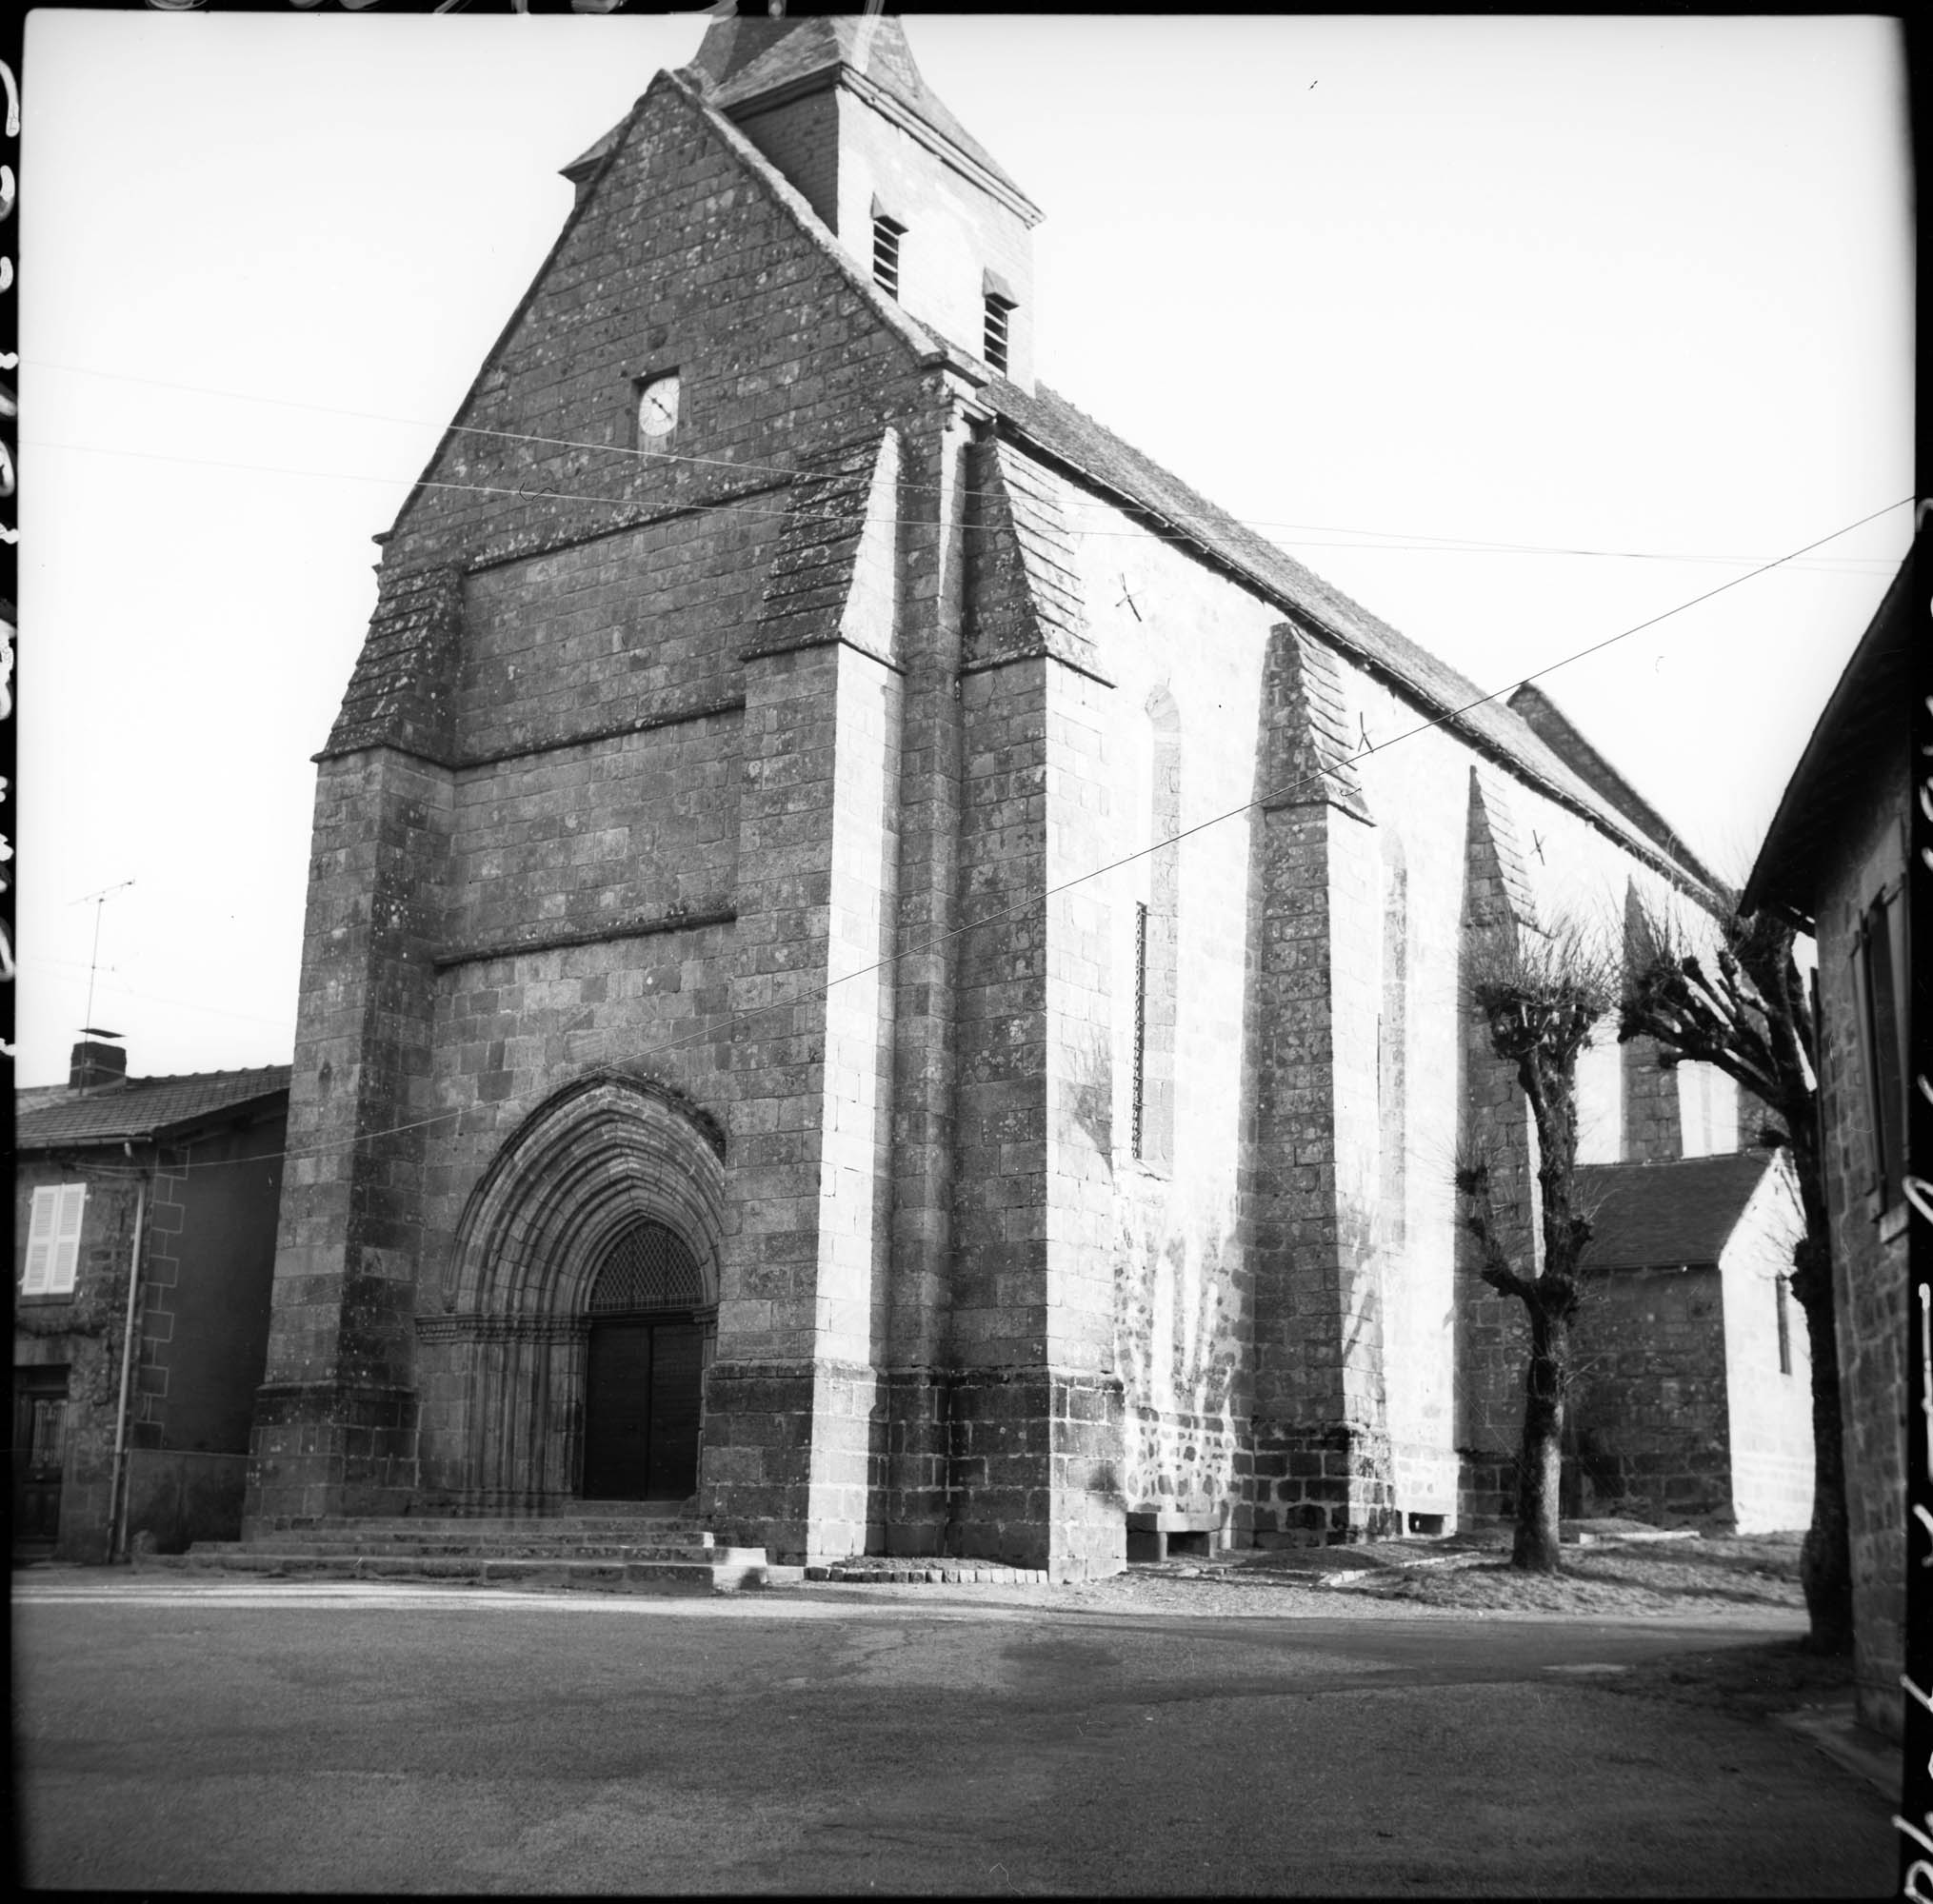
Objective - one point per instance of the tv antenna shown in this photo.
(100, 899)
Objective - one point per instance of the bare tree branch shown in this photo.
(1756, 1024)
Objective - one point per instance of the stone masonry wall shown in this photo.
(82, 1332)
(955, 232)
(915, 1472)
(803, 1278)
(1650, 1419)
(1037, 1411)
(577, 748)
(206, 1290)
(1321, 1455)
(1492, 1334)
(1652, 1116)
(1870, 1265)
(1156, 620)
(335, 1422)
(1771, 1407)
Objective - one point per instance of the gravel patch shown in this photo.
(1710, 1577)
(1710, 1581)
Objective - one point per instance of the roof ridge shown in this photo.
(196, 1077)
(1755, 1156)
(1486, 719)
(754, 59)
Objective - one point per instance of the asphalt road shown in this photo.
(231, 1735)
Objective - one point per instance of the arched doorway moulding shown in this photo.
(602, 1155)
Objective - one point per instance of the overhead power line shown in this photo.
(537, 491)
(1383, 538)
(712, 1029)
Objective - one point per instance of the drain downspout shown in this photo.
(117, 1494)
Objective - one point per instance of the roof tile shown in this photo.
(59, 1117)
(1048, 422)
(1655, 1216)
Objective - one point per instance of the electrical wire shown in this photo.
(808, 994)
(532, 491)
(152, 998)
(1386, 538)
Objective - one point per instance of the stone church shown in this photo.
(858, 966)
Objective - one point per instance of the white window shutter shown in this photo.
(66, 1237)
(40, 1240)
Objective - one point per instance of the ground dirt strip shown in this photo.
(1747, 1582)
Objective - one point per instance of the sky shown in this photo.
(1523, 332)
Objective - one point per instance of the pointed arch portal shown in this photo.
(580, 1302)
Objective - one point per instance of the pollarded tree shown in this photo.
(1747, 1011)
(1540, 1000)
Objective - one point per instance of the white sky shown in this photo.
(1384, 287)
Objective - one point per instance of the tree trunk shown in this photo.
(1826, 1560)
(1540, 1462)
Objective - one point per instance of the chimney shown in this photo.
(95, 1063)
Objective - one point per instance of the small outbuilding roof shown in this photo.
(58, 1117)
(1656, 1216)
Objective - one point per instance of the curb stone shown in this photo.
(1835, 1730)
(864, 1572)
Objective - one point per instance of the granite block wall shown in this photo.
(83, 1333)
(1650, 1413)
(681, 762)
(1870, 1268)
(525, 849)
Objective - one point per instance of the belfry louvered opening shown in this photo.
(997, 310)
(886, 233)
(647, 1267)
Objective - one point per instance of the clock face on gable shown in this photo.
(658, 405)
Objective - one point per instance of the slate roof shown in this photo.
(1560, 733)
(57, 1117)
(1862, 734)
(1075, 438)
(741, 60)
(744, 58)
(1653, 1216)
(811, 579)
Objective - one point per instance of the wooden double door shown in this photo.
(643, 1399)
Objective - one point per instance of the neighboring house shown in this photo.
(1693, 1403)
(183, 1174)
(702, 1098)
(1834, 863)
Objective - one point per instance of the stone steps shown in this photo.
(637, 1545)
(711, 1576)
(876, 1571)
(384, 1540)
(636, 1527)
(691, 1548)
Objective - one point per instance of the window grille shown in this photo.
(647, 1267)
(1140, 1022)
(46, 1436)
(997, 309)
(886, 233)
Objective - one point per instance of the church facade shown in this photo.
(873, 958)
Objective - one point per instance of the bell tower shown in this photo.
(839, 108)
